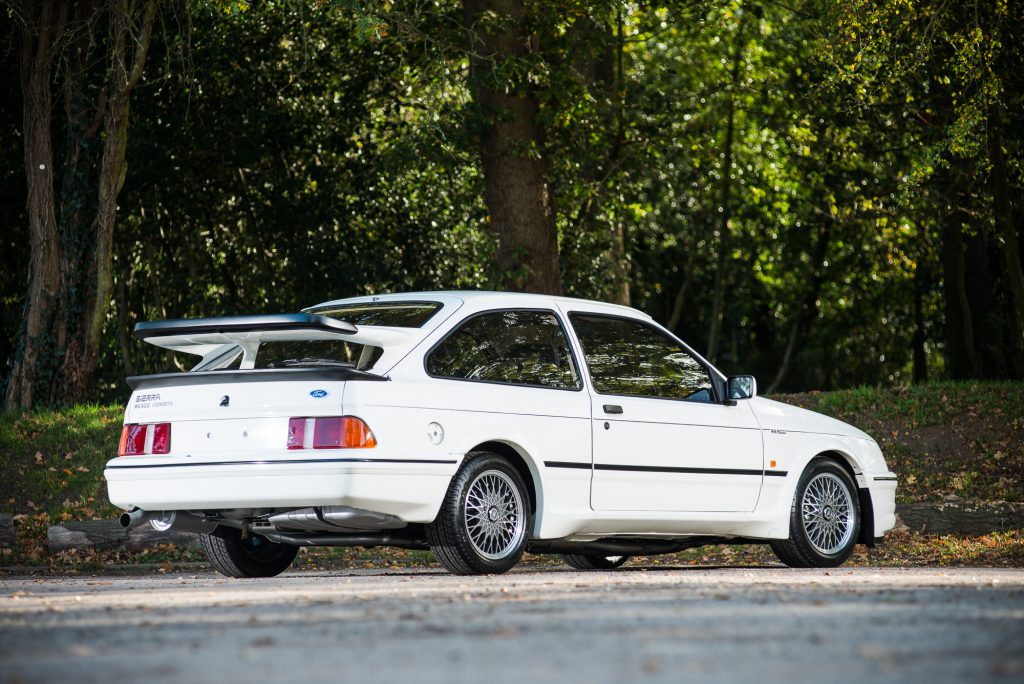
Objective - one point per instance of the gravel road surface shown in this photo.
(634, 625)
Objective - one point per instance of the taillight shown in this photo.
(296, 433)
(161, 438)
(333, 432)
(327, 433)
(134, 439)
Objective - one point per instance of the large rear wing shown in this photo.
(202, 335)
(207, 337)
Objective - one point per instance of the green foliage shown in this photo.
(283, 153)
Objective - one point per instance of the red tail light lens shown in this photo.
(133, 440)
(327, 433)
(296, 433)
(161, 438)
(332, 432)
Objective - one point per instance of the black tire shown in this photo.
(588, 561)
(823, 526)
(462, 539)
(253, 557)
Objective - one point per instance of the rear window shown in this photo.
(391, 314)
(294, 354)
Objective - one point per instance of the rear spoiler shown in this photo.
(239, 376)
(201, 335)
(242, 324)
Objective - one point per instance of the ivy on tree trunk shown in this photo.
(72, 233)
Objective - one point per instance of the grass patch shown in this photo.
(52, 461)
(943, 439)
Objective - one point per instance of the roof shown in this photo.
(481, 298)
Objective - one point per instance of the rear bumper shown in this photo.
(410, 489)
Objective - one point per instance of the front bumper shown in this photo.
(883, 500)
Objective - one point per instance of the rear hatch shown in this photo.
(257, 375)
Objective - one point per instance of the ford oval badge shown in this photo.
(319, 393)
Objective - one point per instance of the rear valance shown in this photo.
(201, 335)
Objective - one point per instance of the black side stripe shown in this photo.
(285, 462)
(885, 479)
(567, 464)
(665, 469)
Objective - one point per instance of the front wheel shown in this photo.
(253, 557)
(824, 521)
(587, 561)
(484, 520)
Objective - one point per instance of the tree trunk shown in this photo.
(1010, 248)
(724, 230)
(43, 25)
(808, 307)
(70, 273)
(679, 303)
(511, 146)
(920, 371)
(961, 353)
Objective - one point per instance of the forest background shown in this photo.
(824, 193)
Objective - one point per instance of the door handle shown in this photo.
(612, 408)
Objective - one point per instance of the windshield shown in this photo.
(392, 314)
(293, 354)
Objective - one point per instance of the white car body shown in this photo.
(660, 469)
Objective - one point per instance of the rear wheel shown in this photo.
(824, 521)
(588, 561)
(484, 520)
(253, 557)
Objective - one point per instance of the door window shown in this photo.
(632, 358)
(515, 347)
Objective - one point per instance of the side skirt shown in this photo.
(634, 547)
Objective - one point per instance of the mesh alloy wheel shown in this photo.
(827, 512)
(494, 514)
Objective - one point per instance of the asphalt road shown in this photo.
(642, 625)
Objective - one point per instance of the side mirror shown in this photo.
(740, 387)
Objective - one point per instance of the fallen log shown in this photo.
(6, 529)
(963, 517)
(108, 534)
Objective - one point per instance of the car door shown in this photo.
(661, 439)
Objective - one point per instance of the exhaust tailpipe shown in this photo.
(167, 521)
(134, 518)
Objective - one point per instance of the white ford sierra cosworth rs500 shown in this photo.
(479, 425)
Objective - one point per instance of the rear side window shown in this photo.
(632, 358)
(516, 347)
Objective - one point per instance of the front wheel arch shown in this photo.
(826, 497)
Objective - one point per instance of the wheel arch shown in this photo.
(867, 511)
(524, 464)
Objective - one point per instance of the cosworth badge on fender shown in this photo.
(319, 393)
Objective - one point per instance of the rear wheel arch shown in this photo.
(523, 464)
